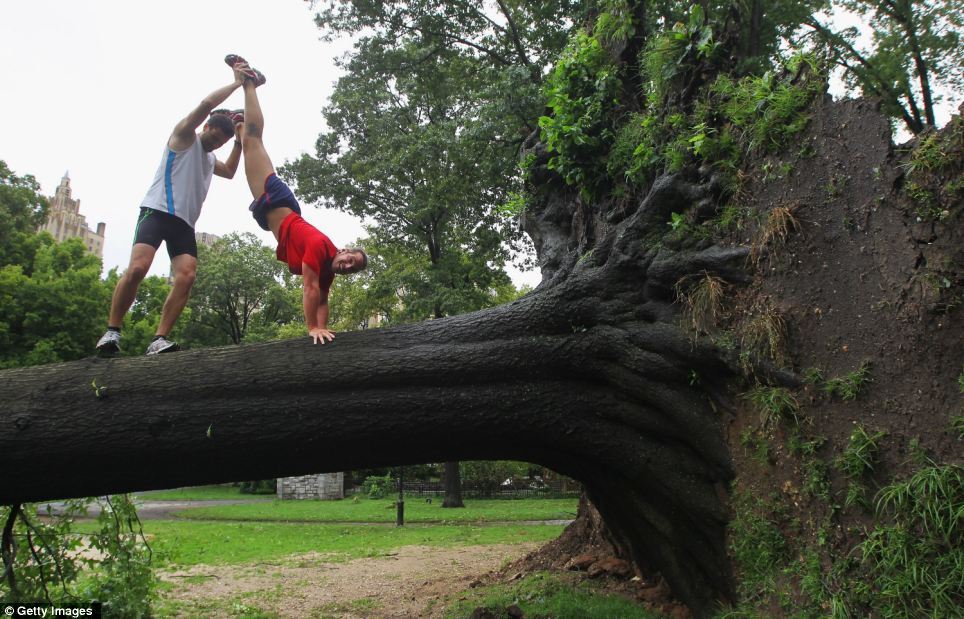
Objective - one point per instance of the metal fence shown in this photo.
(472, 490)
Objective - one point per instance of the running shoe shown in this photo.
(109, 343)
(160, 345)
(232, 60)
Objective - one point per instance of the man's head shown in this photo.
(217, 131)
(349, 260)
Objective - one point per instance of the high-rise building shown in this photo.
(64, 220)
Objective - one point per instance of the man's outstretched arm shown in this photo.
(183, 134)
(315, 301)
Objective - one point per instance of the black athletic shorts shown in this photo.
(276, 195)
(154, 226)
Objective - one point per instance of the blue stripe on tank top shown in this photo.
(168, 186)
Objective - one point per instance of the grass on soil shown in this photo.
(384, 511)
(547, 595)
(185, 543)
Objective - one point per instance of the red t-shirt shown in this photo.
(300, 242)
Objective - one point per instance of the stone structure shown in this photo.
(205, 238)
(326, 486)
(64, 220)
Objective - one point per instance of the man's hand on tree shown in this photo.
(318, 334)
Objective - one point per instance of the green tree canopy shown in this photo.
(240, 288)
(406, 150)
(22, 210)
(51, 308)
(915, 52)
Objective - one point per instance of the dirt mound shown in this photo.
(867, 287)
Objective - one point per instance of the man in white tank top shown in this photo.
(169, 211)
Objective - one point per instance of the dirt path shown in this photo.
(409, 582)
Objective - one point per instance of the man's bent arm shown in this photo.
(183, 135)
(227, 168)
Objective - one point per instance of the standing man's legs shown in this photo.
(185, 272)
(142, 256)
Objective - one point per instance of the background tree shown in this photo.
(406, 151)
(914, 53)
(52, 307)
(240, 284)
(22, 211)
(489, 475)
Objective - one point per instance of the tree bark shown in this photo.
(453, 486)
(586, 376)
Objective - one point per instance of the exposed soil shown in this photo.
(855, 284)
(859, 279)
(410, 582)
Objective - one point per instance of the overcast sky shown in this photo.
(95, 88)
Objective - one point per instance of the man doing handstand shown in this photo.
(304, 248)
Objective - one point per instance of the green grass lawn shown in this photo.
(199, 493)
(383, 510)
(184, 543)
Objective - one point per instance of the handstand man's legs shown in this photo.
(257, 164)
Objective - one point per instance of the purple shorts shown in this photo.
(276, 195)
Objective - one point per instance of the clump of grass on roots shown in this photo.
(765, 335)
(858, 460)
(915, 562)
(775, 231)
(848, 387)
(701, 296)
(773, 404)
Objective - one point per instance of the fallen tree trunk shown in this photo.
(583, 376)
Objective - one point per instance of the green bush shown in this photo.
(768, 110)
(377, 487)
(261, 486)
(50, 562)
(582, 91)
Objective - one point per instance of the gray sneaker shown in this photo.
(162, 344)
(109, 343)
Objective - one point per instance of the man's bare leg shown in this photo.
(142, 255)
(185, 272)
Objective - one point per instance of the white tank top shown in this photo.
(182, 182)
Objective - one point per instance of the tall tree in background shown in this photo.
(22, 210)
(52, 307)
(240, 287)
(418, 146)
(915, 50)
